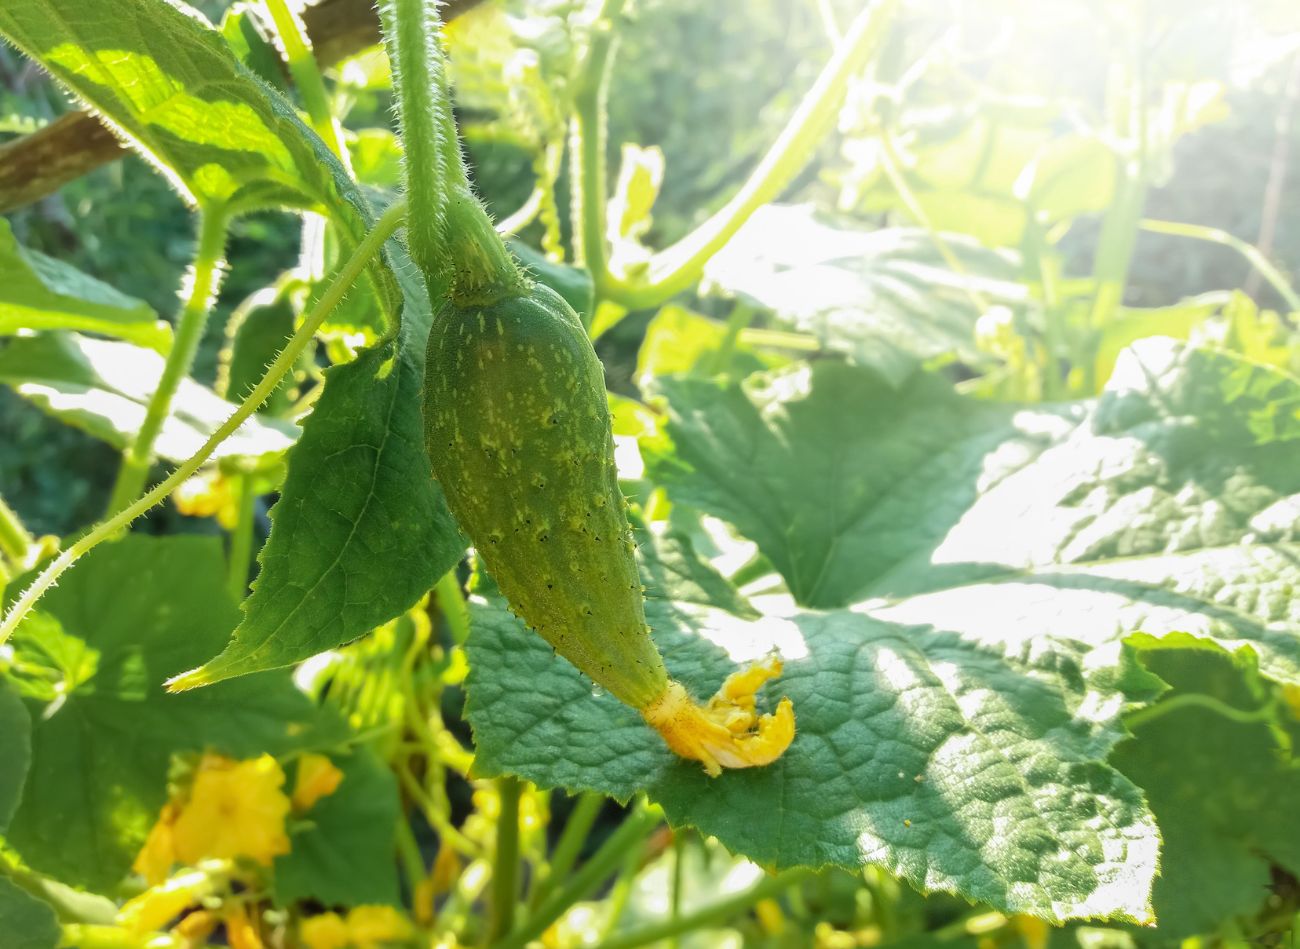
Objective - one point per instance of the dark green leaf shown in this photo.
(345, 852)
(41, 293)
(123, 619)
(1223, 792)
(15, 751)
(361, 530)
(673, 571)
(104, 389)
(25, 921)
(256, 333)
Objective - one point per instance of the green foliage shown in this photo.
(104, 388)
(358, 492)
(177, 92)
(1031, 572)
(1167, 504)
(342, 854)
(914, 748)
(103, 728)
(1214, 785)
(884, 298)
(40, 292)
(28, 923)
(15, 751)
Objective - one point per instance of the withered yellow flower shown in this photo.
(727, 732)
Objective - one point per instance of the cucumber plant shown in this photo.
(880, 603)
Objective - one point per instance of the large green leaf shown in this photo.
(104, 388)
(15, 751)
(884, 298)
(39, 293)
(166, 80)
(169, 84)
(1171, 503)
(125, 617)
(976, 768)
(1223, 791)
(361, 530)
(345, 852)
(25, 921)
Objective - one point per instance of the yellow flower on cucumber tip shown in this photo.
(235, 809)
(207, 494)
(728, 731)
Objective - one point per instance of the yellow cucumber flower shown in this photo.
(366, 927)
(326, 931)
(317, 778)
(235, 809)
(158, 855)
(153, 909)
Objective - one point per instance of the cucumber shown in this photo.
(518, 433)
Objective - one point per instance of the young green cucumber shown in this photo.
(517, 428)
(518, 432)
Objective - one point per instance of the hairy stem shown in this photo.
(203, 280)
(587, 149)
(283, 363)
(1214, 235)
(296, 47)
(450, 236)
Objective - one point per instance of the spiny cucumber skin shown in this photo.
(518, 433)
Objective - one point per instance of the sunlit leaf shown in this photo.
(884, 298)
(104, 388)
(968, 767)
(41, 293)
(1171, 503)
(123, 619)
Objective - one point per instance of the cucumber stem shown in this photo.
(449, 235)
(200, 293)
